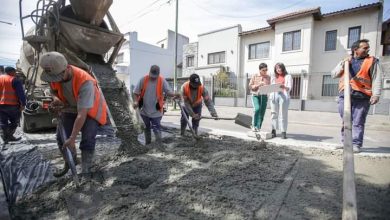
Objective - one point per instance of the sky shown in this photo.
(152, 18)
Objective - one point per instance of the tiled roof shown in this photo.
(358, 8)
(310, 11)
(255, 30)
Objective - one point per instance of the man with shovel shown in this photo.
(193, 92)
(83, 107)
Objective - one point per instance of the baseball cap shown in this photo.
(53, 65)
(195, 80)
(9, 69)
(154, 71)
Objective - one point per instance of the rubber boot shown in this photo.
(148, 136)
(196, 131)
(182, 130)
(158, 137)
(87, 157)
(284, 135)
(273, 133)
(10, 135)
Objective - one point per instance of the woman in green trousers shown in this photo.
(259, 101)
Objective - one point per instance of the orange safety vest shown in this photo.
(188, 96)
(159, 90)
(99, 108)
(362, 80)
(7, 92)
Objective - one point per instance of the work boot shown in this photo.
(356, 149)
(148, 136)
(87, 157)
(284, 135)
(273, 133)
(182, 130)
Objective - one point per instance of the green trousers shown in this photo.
(260, 105)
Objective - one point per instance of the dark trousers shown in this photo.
(359, 111)
(152, 123)
(195, 123)
(9, 118)
(88, 131)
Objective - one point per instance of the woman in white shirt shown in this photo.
(280, 100)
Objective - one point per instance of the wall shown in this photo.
(141, 55)
(252, 66)
(190, 50)
(217, 41)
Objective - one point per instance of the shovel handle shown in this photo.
(217, 118)
(186, 118)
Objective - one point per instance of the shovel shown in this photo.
(240, 119)
(188, 121)
(67, 154)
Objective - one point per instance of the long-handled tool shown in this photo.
(240, 119)
(187, 120)
(66, 152)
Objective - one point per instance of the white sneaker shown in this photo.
(356, 149)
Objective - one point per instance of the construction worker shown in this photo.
(193, 92)
(12, 102)
(365, 86)
(149, 94)
(83, 107)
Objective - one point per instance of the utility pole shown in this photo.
(175, 53)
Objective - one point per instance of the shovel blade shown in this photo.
(243, 120)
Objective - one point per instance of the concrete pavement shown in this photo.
(305, 129)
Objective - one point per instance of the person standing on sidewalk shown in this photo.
(83, 108)
(193, 92)
(12, 103)
(280, 100)
(149, 94)
(259, 101)
(365, 83)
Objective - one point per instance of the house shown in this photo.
(215, 50)
(309, 43)
(135, 57)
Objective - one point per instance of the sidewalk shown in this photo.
(305, 129)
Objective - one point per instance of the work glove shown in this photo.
(195, 116)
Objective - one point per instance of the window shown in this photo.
(330, 86)
(292, 40)
(330, 40)
(214, 58)
(190, 61)
(260, 50)
(120, 58)
(353, 35)
(296, 87)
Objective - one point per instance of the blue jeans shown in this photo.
(359, 112)
(9, 117)
(88, 131)
(195, 123)
(152, 123)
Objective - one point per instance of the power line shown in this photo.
(145, 13)
(248, 16)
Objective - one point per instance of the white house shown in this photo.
(135, 57)
(214, 50)
(310, 44)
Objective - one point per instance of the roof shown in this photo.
(222, 29)
(358, 8)
(255, 30)
(316, 12)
